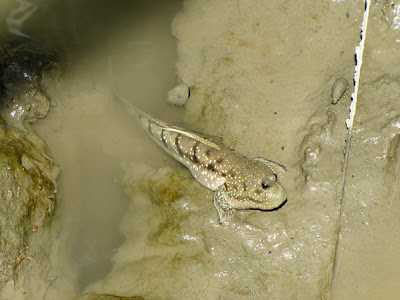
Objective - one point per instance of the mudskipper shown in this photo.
(238, 182)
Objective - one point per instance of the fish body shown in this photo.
(238, 182)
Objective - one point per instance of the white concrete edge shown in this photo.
(359, 60)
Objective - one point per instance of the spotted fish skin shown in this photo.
(238, 182)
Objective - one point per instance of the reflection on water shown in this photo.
(124, 44)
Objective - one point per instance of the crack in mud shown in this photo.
(359, 50)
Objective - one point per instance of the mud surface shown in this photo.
(367, 264)
(265, 81)
(237, 77)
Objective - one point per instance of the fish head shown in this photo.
(259, 189)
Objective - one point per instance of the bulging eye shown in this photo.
(265, 184)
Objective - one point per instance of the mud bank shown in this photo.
(28, 184)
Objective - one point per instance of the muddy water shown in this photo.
(124, 45)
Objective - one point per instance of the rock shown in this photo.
(178, 95)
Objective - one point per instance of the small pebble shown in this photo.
(178, 95)
(338, 89)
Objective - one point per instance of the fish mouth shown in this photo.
(274, 201)
(275, 208)
(263, 206)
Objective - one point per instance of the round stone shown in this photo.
(178, 95)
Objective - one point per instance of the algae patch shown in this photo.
(176, 196)
(28, 188)
(164, 186)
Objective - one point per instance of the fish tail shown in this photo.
(145, 120)
(155, 128)
(180, 143)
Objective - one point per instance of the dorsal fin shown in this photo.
(132, 109)
(194, 136)
(277, 168)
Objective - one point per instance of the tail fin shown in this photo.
(156, 128)
(131, 109)
(148, 123)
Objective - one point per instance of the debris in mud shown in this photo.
(25, 74)
(338, 89)
(93, 296)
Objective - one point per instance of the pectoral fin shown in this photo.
(225, 211)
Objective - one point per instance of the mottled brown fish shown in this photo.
(238, 182)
